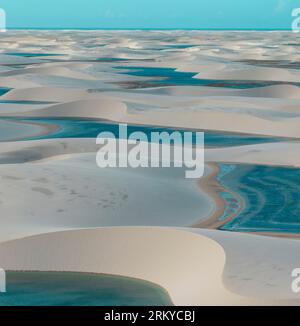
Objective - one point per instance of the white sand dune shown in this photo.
(78, 85)
(18, 83)
(244, 111)
(7, 108)
(60, 212)
(73, 192)
(55, 94)
(53, 70)
(255, 73)
(187, 264)
(109, 109)
(262, 123)
(275, 91)
(30, 151)
(258, 266)
(278, 154)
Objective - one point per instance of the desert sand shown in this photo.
(60, 212)
(195, 267)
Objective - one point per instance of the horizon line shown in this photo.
(154, 28)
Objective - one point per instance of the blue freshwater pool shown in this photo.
(270, 198)
(80, 289)
(3, 90)
(31, 55)
(169, 76)
(76, 128)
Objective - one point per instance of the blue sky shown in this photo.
(219, 14)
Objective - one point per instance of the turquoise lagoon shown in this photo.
(14, 130)
(265, 198)
(80, 289)
(31, 55)
(169, 76)
(76, 128)
(4, 90)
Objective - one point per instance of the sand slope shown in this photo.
(60, 212)
(190, 266)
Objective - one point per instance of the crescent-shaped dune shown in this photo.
(115, 110)
(104, 108)
(189, 266)
(54, 94)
